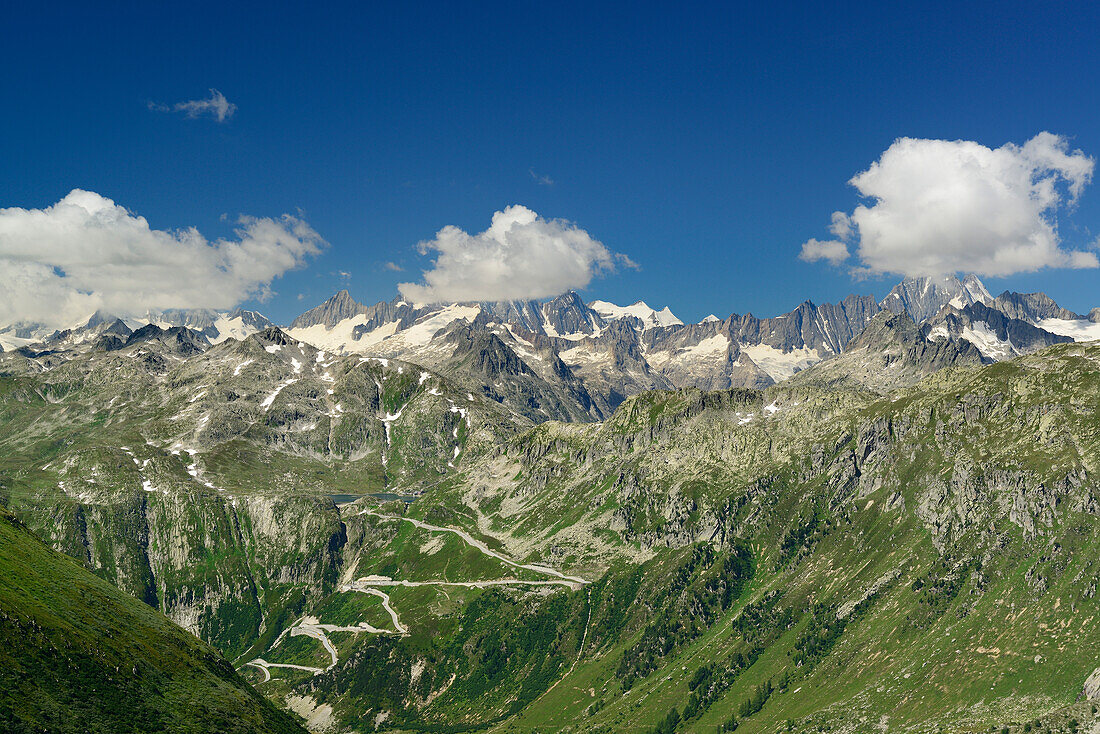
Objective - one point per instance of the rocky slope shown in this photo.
(891, 353)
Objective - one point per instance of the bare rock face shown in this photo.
(1091, 691)
(568, 314)
(891, 352)
(483, 358)
(1031, 307)
(205, 560)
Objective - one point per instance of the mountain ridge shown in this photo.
(614, 352)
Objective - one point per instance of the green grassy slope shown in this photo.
(78, 655)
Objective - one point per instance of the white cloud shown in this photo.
(220, 108)
(541, 179)
(393, 267)
(831, 250)
(520, 256)
(941, 206)
(61, 263)
(841, 226)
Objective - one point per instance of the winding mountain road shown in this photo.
(311, 627)
(575, 582)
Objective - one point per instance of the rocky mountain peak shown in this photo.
(522, 314)
(622, 339)
(117, 327)
(649, 317)
(179, 340)
(253, 319)
(1031, 307)
(198, 319)
(568, 314)
(100, 318)
(885, 330)
(273, 335)
(25, 330)
(996, 334)
(923, 297)
(976, 289)
(483, 351)
(337, 308)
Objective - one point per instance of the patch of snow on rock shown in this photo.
(779, 364)
(980, 335)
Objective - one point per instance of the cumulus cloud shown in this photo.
(520, 256)
(60, 264)
(833, 251)
(945, 206)
(220, 108)
(392, 266)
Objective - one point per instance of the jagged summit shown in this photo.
(976, 289)
(117, 327)
(923, 297)
(1032, 307)
(337, 308)
(568, 314)
(891, 353)
(198, 319)
(215, 326)
(250, 318)
(617, 351)
(179, 339)
(597, 354)
(273, 335)
(887, 329)
(486, 353)
(21, 333)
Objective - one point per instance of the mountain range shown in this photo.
(566, 359)
(558, 516)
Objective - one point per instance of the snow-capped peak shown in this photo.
(976, 289)
(650, 317)
(710, 318)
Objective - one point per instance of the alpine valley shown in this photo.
(556, 516)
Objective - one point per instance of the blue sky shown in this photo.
(705, 142)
